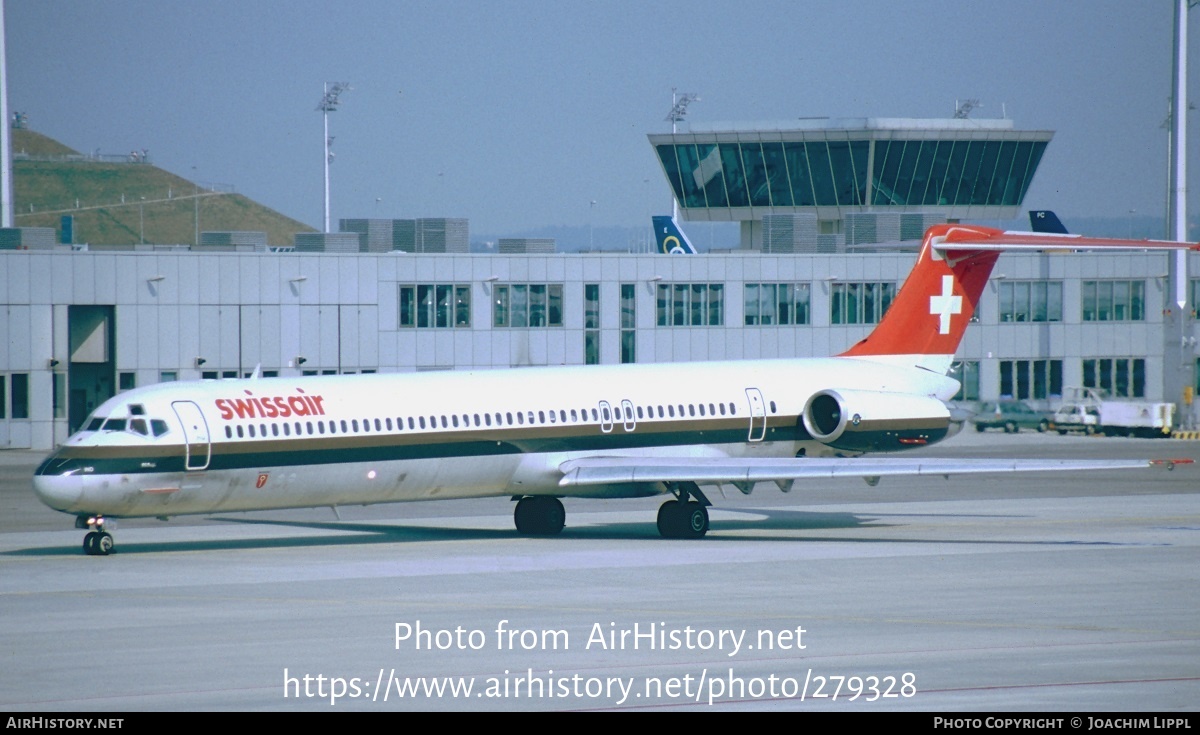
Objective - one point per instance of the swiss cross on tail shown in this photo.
(945, 304)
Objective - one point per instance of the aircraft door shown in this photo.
(195, 433)
(606, 417)
(758, 415)
(627, 411)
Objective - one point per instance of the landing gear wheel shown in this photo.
(697, 519)
(682, 520)
(539, 515)
(98, 543)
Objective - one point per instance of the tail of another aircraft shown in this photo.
(927, 319)
(671, 240)
(1043, 220)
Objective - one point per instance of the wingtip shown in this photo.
(1170, 463)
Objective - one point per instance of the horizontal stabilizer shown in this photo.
(977, 239)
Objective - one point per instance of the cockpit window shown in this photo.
(138, 426)
(95, 424)
(159, 427)
(114, 425)
(137, 409)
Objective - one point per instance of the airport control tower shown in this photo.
(851, 180)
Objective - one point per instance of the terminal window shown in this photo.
(966, 372)
(860, 303)
(1121, 377)
(591, 324)
(435, 305)
(20, 395)
(1114, 301)
(628, 323)
(519, 305)
(1030, 301)
(1037, 379)
(768, 304)
(690, 305)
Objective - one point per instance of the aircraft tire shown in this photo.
(668, 522)
(89, 543)
(537, 515)
(104, 543)
(696, 520)
(682, 520)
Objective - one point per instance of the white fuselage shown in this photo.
(238, 445)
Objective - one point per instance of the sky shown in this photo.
(520, 114)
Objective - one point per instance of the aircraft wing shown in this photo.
(735, 471)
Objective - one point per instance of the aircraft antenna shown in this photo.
(328, 104)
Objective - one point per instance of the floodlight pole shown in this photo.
(1179, 353)
(328, 104)
(6, 177)
(679, 105)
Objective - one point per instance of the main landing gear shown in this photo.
(97, 542)
(684, 517)
(539, 515)
(687, 515)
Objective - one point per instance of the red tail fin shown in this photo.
(930, 313)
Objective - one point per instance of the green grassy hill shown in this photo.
(117, 203)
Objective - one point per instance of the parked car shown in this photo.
(1012, 416)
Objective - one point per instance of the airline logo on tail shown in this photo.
(671, 240)
(945, 304)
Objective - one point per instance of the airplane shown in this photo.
(671, 240)
(1043, 220)
(538, 435)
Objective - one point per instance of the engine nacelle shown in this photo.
(875, 421)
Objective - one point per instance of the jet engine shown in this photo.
(875, 421)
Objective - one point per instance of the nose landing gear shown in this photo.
(97, 542)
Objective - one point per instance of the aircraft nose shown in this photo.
(55, 485)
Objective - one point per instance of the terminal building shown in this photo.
(79, 326)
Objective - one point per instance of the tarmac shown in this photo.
(1063, 593)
